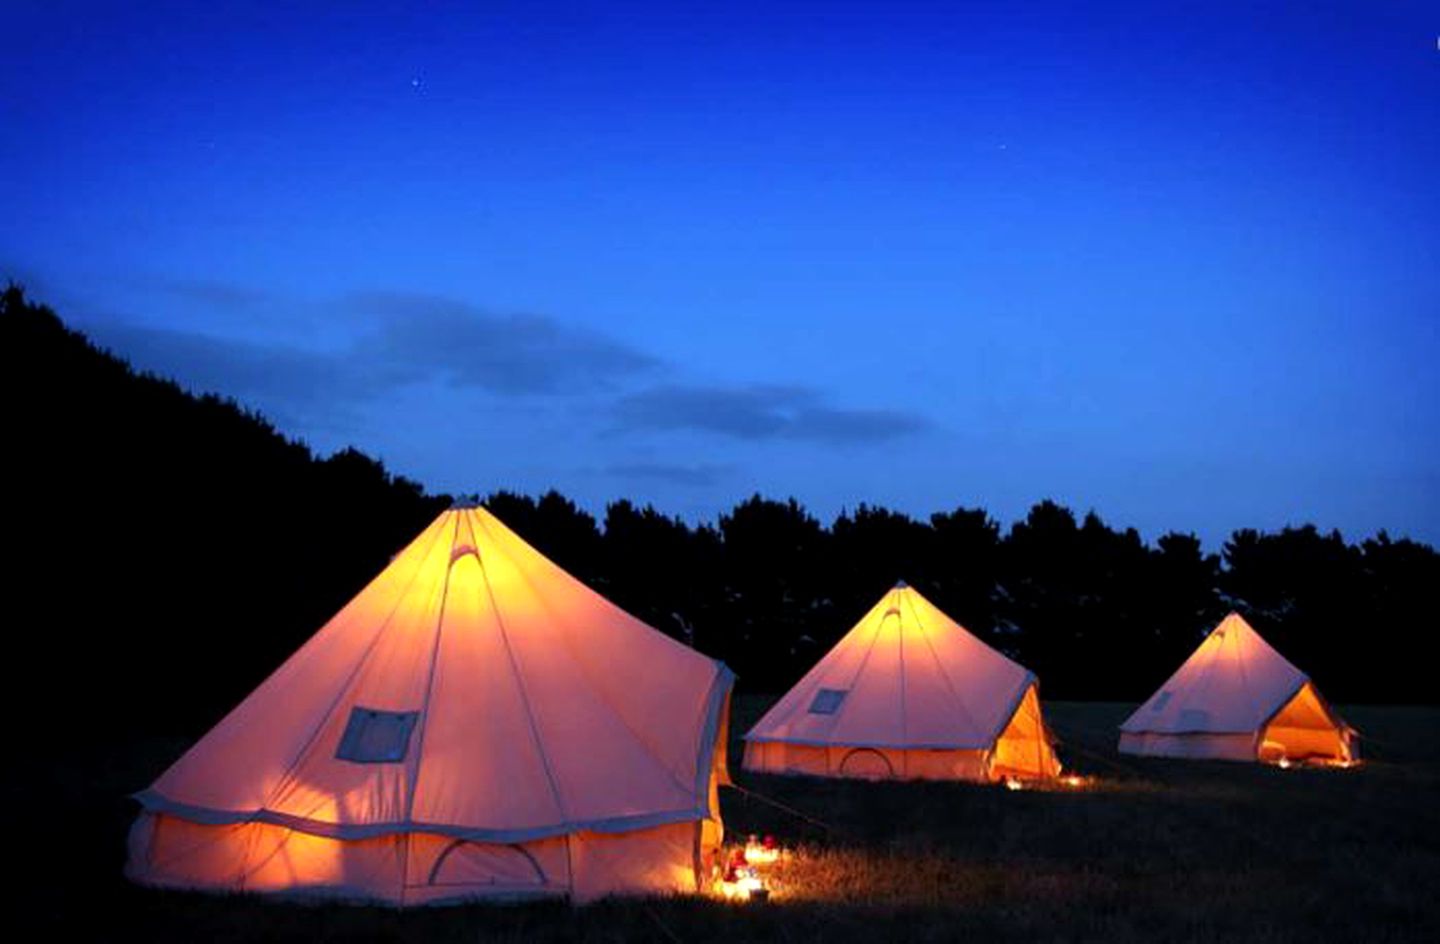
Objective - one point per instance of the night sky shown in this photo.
(1182, 269)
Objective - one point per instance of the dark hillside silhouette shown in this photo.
(174, 548)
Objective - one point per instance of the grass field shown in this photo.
(1151, 851)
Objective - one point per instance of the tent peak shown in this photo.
(1231, 619)
(464, 502)
(901, 585)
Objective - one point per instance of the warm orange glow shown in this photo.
(743, 887)
(1305, 730)
(1013, 783)
(535, 707)
(280, 859)
(743, 884)
(760, 854)
(1234, 687)
(742, 877)
(965, 710)
(1023, 748)
(1285, 763)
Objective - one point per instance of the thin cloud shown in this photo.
(760, 412)
(213, 293)
(243, 369)
(410, 340)
(826, 424)
(695, 476)
(421, 336)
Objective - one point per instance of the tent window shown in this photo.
(1161, 702)
(827, 701)
(373, 736)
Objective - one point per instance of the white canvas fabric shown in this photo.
(474, 708)
(1236, 698)
(907, 693)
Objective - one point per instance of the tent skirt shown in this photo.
(1023, 750)
(1304, 729)
(414, 868)
(1274, 744)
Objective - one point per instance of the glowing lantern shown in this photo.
(744, 885)
(1012, 783)
(740, 878)
(762, 853)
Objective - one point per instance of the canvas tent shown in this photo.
(1236, 698)
(476, 723)
(907, 693)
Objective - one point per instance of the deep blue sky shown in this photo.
(1181, 268)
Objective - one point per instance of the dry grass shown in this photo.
(1150, 850)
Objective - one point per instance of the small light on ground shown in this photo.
(758, 854)
(1285, 763)
(742, 878)
(745, 886)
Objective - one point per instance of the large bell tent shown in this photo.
(476, 723)
(1236, 698)
(907, 693)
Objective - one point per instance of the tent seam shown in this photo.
(1250, 695)
(949, 683)
(644, 745)
(524, 695)
(859, 671)
(904, 702)
(309, 744)
(155, 802)
(425, 703)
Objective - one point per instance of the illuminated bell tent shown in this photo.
(1236, 698)
(476, 724)
(907, 693)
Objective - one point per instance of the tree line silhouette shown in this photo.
(169, 550)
